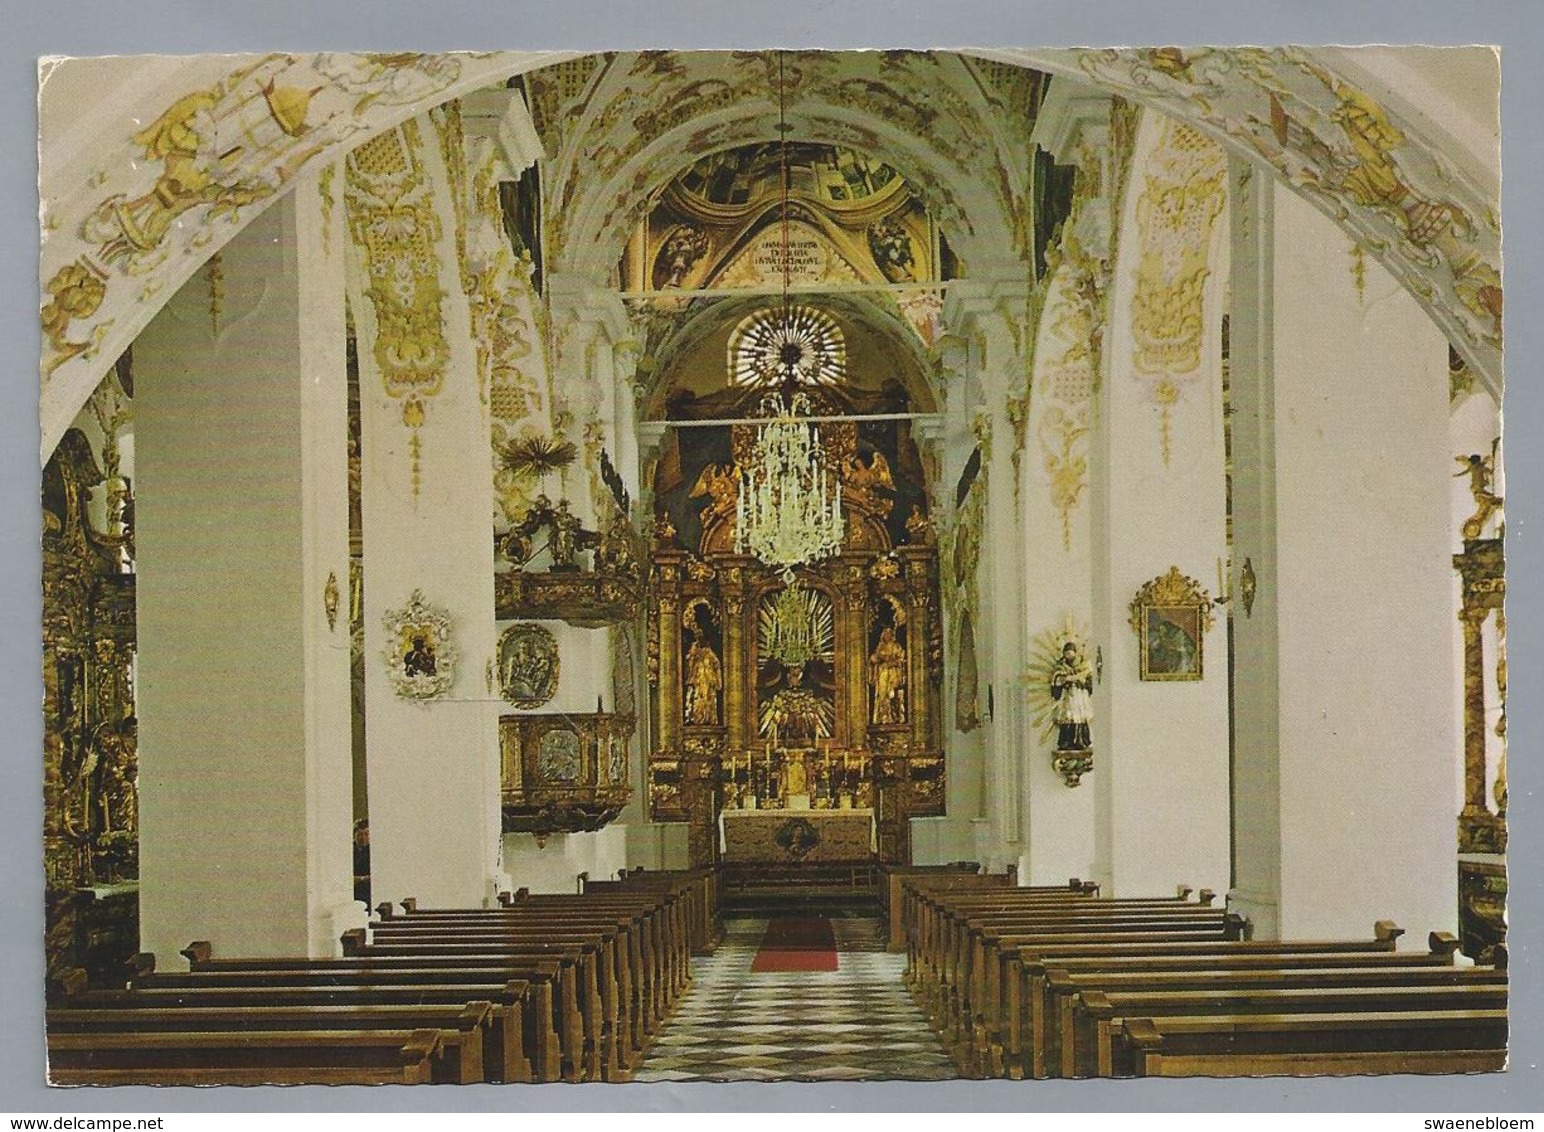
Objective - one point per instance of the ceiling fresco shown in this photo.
(143, 188)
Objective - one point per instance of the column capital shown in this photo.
(971, 302)
(582, 300)
(1072, 119)
(500, 117)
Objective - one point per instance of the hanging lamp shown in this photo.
(789, 506)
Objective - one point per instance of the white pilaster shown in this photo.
(1161, 775)
(1345, 693)
(243, 685)
(433, 766)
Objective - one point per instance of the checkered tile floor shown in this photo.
(853, 1024)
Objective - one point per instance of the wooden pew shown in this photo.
(705, 897)
(957, 971)
(523, 1044)
(654, 968)
(1087, 1042)
(891, 898)
(1017, 981)
(467, 1055)
(643, 970)
(1248, 1045)
(597, 998)
(1030, 1029)
(290, 1057)
(572, 986)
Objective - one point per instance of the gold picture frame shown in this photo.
(1171, 616)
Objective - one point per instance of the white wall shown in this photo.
(555, 866)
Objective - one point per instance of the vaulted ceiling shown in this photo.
(150, 166)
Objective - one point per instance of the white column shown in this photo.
(1345, 693)
(433, 766)
(985, 314)
(243, 684)
(953, 837)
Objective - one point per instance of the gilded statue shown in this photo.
(1481, 472)
(1072, 687)
(794, 716)
(919, 528)
(704, 681)
(616, 547)
(568, 535)
(861, 482)
(721, 485)
(887, 678)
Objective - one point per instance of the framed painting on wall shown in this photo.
(1171, 615)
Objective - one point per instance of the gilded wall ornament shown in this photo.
(330, 599)
(1171, 616)
(1481, 473)
(1063, 442)
(394, 223)
(1184, 194)
(75, 292)
(528, 665)
(420, 656)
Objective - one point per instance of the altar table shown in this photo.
(796, 836)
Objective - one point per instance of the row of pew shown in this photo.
(543, 988)
(1058, 982)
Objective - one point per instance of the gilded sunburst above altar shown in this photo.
(797, 344)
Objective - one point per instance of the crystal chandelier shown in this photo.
(789, 509)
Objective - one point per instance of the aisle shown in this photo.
(854, 1023)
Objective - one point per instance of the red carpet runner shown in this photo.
(805, 943)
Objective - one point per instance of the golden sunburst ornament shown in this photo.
(798, 345)
(538, 455)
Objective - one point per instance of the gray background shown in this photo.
(80, 27)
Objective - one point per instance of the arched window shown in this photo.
(774, 343)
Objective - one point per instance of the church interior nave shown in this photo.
(659, 566)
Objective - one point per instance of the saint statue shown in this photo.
(704, 681)
(566, 530)
(1072, 687)
(919, 528)
(793, 716)
(887, 678)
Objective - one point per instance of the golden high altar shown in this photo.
(819, 696)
